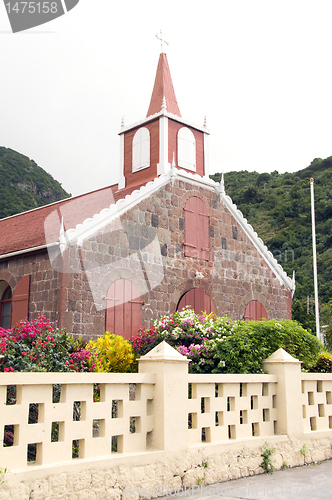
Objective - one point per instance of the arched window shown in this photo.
(198, 300)
(141, 149)
(196, 229)
(5, 305)
(255, 311)
(186, 149)
(123, 308)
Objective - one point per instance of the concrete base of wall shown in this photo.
(158, 473)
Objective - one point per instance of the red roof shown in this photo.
(42, 225)
(163, 87)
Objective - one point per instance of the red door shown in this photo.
(255, 311)
(124, 309)
(198, 300)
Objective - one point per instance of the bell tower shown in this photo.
(148, 147)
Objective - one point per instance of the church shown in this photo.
(165, 236)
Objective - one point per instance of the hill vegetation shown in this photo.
(278, 206)
(24, 185)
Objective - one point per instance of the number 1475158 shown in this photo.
(32, 7)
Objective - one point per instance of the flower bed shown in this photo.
(220, 345)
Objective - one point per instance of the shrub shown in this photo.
(40, 347)
(267, 464)
(220, 345)
(110, 353)
(185, 331)
(323, 364)
(253, 341)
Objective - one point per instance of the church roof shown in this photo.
(163, 87)
(27, 230)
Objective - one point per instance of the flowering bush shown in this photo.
(219, 345)
(212, 345)
(145, 340)
(40, 347)
(110, 353)
(189, 333)
(323, 364)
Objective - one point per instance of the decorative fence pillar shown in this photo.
(289, 395)
(171, 396)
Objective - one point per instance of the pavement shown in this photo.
(312, 482)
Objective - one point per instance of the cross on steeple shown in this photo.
(162, 41)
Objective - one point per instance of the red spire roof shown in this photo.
(163, 87)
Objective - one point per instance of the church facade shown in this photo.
(164, 237)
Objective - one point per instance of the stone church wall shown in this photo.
(145, 246)
(44, 282)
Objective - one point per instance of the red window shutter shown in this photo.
(21, 300)
(196, 229)
(255, 311)
(190, 233)
(198, 300)
(203, 231)
(124, 308)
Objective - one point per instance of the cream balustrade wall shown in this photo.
(222, 407)
(316, 401)
(49, 418)
(66, 435)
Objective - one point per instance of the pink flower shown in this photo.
(24, 353)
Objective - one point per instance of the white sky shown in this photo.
(260, 70)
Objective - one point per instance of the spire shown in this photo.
(222, 184)
(163, 87)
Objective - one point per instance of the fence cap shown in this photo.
(163, 351)
(281, 356)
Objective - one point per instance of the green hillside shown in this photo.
(278, 207)
(24, 185)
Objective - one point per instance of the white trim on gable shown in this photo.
(90, 226)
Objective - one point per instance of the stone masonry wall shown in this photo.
(161, 474)
(146, 246)
(44, 282)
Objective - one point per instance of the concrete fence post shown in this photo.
(170, 396)
(289, 392)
